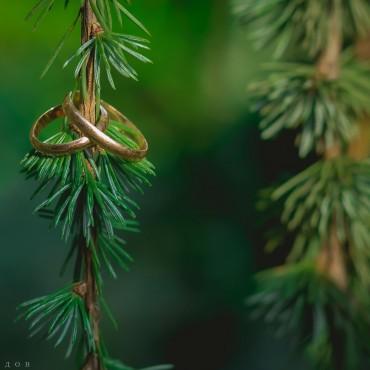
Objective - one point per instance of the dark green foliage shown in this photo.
(326, 207)
(110, 51)
(130, 174)
(41, 9)
(294, 97)
(103, 12)
(90, 193)
(329, 191)
(57, 315)
(110, 48)
(300, 23)
(331, 326)
(84, 193)
(108, 251)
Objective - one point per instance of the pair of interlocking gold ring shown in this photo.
(92, 135)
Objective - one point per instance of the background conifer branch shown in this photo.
(320, 293)
(331, 260)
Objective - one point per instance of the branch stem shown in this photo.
(331, 259)
(328, 65)
(359, 147)
(88, 109)
(88, 27)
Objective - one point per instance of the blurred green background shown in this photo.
(201, 240)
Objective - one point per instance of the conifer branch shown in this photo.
(89, 29)
(88, 170)
(321, 292)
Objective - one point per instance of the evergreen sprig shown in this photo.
(110, 52)
(84, 194)
(103, 11)
(332, 327)
(111, 49)
(292, 24)
(319, 296)
(89, 194)
(330, 191)
(324, 111)
(58, 314)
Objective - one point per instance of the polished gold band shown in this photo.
(65, 148)
(100, 138)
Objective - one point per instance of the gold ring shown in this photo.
(100, 138)
(65, 148)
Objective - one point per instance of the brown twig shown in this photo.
(359, 148)
(328, 65)
(331, 260)
(88, 108)
(88, 31)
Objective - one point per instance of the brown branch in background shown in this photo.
(331, 260)
(362, 48)
(359, 147)
(89, 28)
(328, 65)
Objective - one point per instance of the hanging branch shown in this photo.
(88, 169)
(320, 293)
(359, 147)
(331, 260)
(90, 28)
